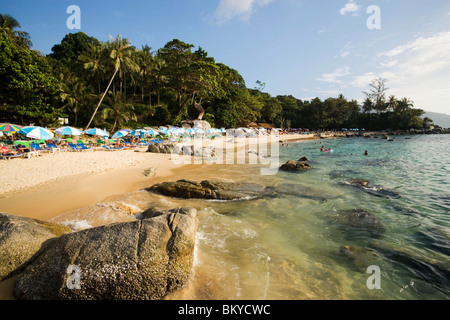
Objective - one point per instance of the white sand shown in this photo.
(20, 173)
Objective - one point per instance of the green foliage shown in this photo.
(144, 87)
(27, 87)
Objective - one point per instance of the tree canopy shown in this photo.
(113, 83)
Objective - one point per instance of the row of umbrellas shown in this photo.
(35, 132)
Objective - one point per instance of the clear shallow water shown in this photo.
(292, 246)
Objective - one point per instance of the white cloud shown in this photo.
(350, 7)
(336, 75)
(242, 9)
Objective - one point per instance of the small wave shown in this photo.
(77, 225)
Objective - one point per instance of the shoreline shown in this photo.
(52, 184)
(44, 195)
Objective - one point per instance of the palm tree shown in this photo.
(120, 55)
(118, 110)
(403, 105)
(76, 95)
(159, 79)
(93, 59)
(19, 38)
(392, 103)
(145, 63)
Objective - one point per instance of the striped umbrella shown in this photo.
(120, 134)
(8, 127)
(138, 132)
(37, 133)
(152, 132)
(97, 132)
(69, 131)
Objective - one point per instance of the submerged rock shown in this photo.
(359, 257)
(144, 259)
(432, 269)
(22, 238)
(366, 186)
(360, 220)
(213, 190)
(293, 165)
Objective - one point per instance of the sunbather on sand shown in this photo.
(6, 152)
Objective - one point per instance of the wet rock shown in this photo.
(434, 239)
(166, 148)
(213, 190)
(141, 260)
(21, 239)
(297, 166)
(304, 159)
(366, 186)
(360, 220)
(359, 257)
(432, 269)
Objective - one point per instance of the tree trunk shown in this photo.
(101, 100)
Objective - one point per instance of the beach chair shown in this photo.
(53, 147)
(37, 147)
(82, 147)
(73, 147)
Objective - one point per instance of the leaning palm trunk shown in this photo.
(101, 100)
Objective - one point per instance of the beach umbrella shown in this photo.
(137, 132)
(190, 131)
(120, 134)
(97, 132)
(69, 131)
(8, 127)
(152, 132)
(37, 133)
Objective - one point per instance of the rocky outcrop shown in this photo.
(195, 112)
(167, 148)
(144, 259)
(186, 150)
(21, 239)
(368, 187)
(213, 190)
(298, 166)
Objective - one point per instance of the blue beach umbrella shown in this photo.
(37, 133)
(120, 134)
(152, 132)
(69, 131)
(97, 132)
(137, 132)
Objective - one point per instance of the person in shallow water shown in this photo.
(366, 153)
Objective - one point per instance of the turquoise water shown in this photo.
(296, 246)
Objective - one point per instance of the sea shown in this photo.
(326, 237)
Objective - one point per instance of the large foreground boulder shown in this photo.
(144, 259)
(21, 238)
(213, 190)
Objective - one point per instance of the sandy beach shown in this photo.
(46, 186)
(52, 184)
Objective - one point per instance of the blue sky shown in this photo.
(304, 48)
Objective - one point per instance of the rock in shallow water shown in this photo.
(145, 259)
(213, 190)
(293, 165)
(359, 220)
(366, 186)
